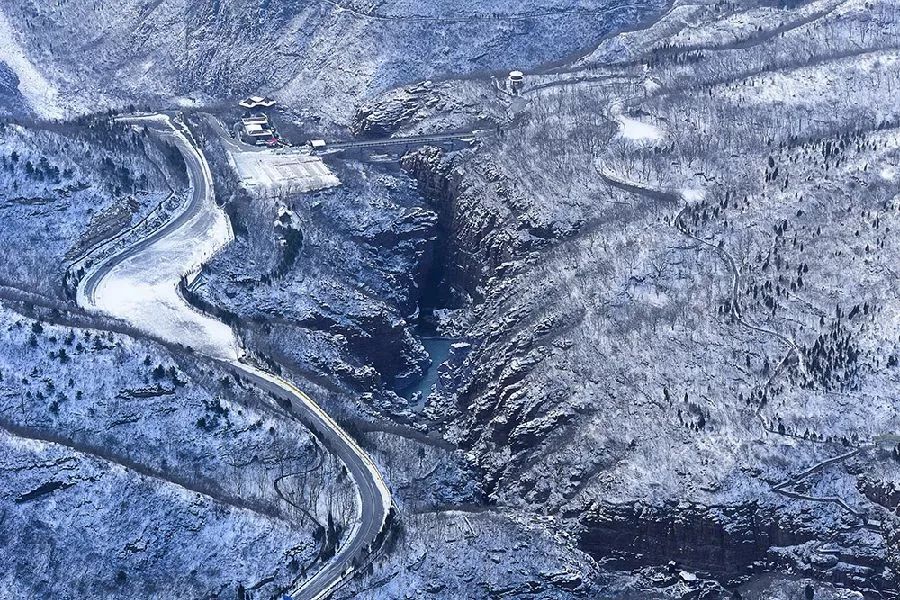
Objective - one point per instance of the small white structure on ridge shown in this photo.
(516, 80)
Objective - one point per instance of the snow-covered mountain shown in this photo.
(320, 56)
(634, 336)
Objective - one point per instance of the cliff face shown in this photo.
(486, 225)
(729, 543)
(718, 540)
(472, 238)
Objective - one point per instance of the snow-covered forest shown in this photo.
(631, 333)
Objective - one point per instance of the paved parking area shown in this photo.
(272, 172)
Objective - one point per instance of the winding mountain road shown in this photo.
(140, 286)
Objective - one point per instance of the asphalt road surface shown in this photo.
(375, 499)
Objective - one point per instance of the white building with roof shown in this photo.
(516, 80)
(257, 130)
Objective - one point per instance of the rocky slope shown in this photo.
(11, 100)
(680, 256)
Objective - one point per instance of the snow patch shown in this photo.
(634, 129)
(185, 102)
(693, 194)
(42, 96)
(638, 131)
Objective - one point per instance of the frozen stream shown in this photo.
(438, 349)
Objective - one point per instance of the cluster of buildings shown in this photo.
(256, 128)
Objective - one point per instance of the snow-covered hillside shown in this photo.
(663, 275)
(71, 190)
(131, 473)
(680, 253)
(319, 56)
